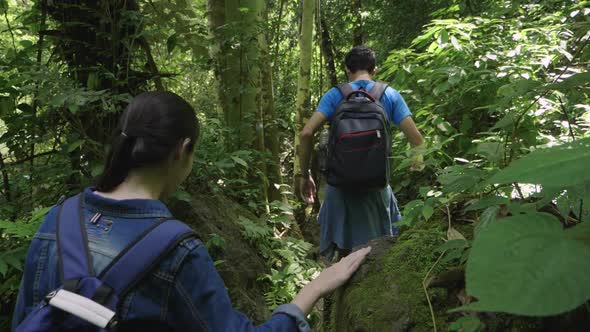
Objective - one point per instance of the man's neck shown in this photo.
(361, 75)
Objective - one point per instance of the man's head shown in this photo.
(360, 58)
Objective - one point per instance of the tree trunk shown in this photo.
(243, 92)
(98, 55)
(303, 103)
(271, 130)
(216, 18)
(357, 32)
(327, 51)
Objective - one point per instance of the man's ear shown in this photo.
(374, 71)
(187, 146)
(183, 148)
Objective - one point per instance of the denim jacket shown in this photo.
(184, 291)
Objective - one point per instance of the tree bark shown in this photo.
(216, 20)
(357, 32)
(243, 90)
(5, 180)
(271, 130)
(327, 51)
(303, 103)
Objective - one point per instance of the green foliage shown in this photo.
(494, 89)
(286, 256)
(467, 324)
(550, 167)
(16, 237)
(528, 259)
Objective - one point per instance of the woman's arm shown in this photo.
(201, 302)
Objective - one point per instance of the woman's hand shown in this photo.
(330, 279)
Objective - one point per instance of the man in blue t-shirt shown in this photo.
(349, 219)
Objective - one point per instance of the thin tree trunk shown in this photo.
(271, 132)
(303, 103)
(277, 35)
(216, 19)
(35, 97)
(357, 32)
(5, 180)
(327, 51)
(153, 67)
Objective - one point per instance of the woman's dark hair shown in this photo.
(360, 58)
(151, 127)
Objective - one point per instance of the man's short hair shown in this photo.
(360, 58)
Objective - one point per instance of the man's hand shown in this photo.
(417, 156)
(417, 163)
(307, 188)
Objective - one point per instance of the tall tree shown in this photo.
(303, 102)
(240, 53)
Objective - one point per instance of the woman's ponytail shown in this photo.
(118, 163)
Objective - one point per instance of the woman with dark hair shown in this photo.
(151, 154)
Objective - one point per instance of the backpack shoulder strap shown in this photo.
(378, 90)
(345, 89)
(144, 254)
(72, 243)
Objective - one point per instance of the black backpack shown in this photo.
(360, 140)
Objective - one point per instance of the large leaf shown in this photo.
(528, 265)
(571, 82)
(560, 166)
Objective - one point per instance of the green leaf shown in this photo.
(427, 212)
(467, 324)
(73, 146)
(493, 151)
(571, 82)
(506, 121)
(441, 88)
(487, 217)
(518, 88)
(13, 259)
(171, 43)
(240, 161)
(182, 195)
(526, 265)
(26, 43)
(459, 178)
(487, 202)
(552, 167)
(580, 232)
(3, 267)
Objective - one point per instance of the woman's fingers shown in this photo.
(356, 259)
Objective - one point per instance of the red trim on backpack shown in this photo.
(362, 133)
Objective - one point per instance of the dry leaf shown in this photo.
(453, 234)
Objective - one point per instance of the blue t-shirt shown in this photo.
(395, 106)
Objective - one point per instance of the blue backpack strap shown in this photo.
(143, 255)
(72, 243)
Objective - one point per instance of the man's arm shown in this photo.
(306, 141)
(413, 135)
(411, 132)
